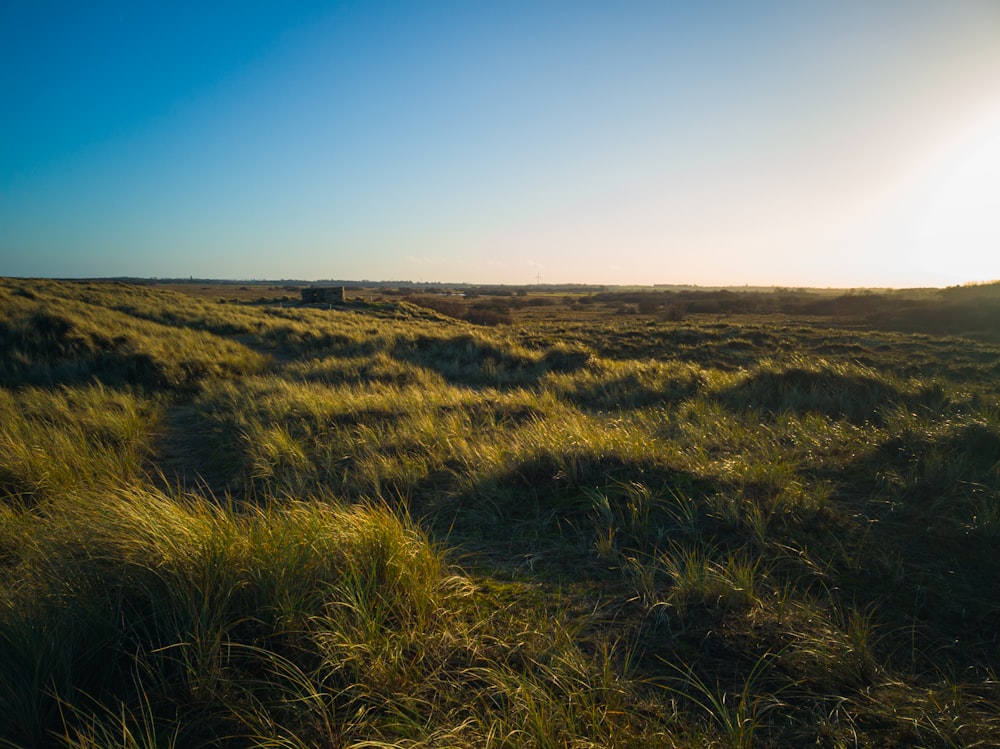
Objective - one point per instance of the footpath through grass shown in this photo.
(258, 525)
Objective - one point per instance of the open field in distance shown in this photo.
(532, 517)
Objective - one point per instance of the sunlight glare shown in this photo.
(956, 231)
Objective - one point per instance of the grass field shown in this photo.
(594, 521)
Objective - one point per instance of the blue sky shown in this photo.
(850, 143)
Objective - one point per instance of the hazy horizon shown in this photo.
(822, 145)
(446, 283)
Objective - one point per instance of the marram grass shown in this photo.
(263, 525)
(308, 623)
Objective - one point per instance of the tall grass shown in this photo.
(390, 528)
(137, 614)
(54, 441)
(49, 338)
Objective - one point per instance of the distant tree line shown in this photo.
(973, 308)
(956, 310)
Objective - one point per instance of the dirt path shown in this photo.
(182, 459)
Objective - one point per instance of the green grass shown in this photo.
(53, 441)
(262, 525)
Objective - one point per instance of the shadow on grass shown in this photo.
(472, 361)
(549, 513)
(630, 391)
(927, 552)
(857, 398)
(46, 350)
(726, 348)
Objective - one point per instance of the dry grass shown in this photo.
(267, 525)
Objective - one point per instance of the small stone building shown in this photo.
(324, 295)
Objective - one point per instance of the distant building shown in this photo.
(324, 295)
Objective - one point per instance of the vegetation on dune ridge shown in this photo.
(271, 525)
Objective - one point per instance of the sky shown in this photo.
(834, 143)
